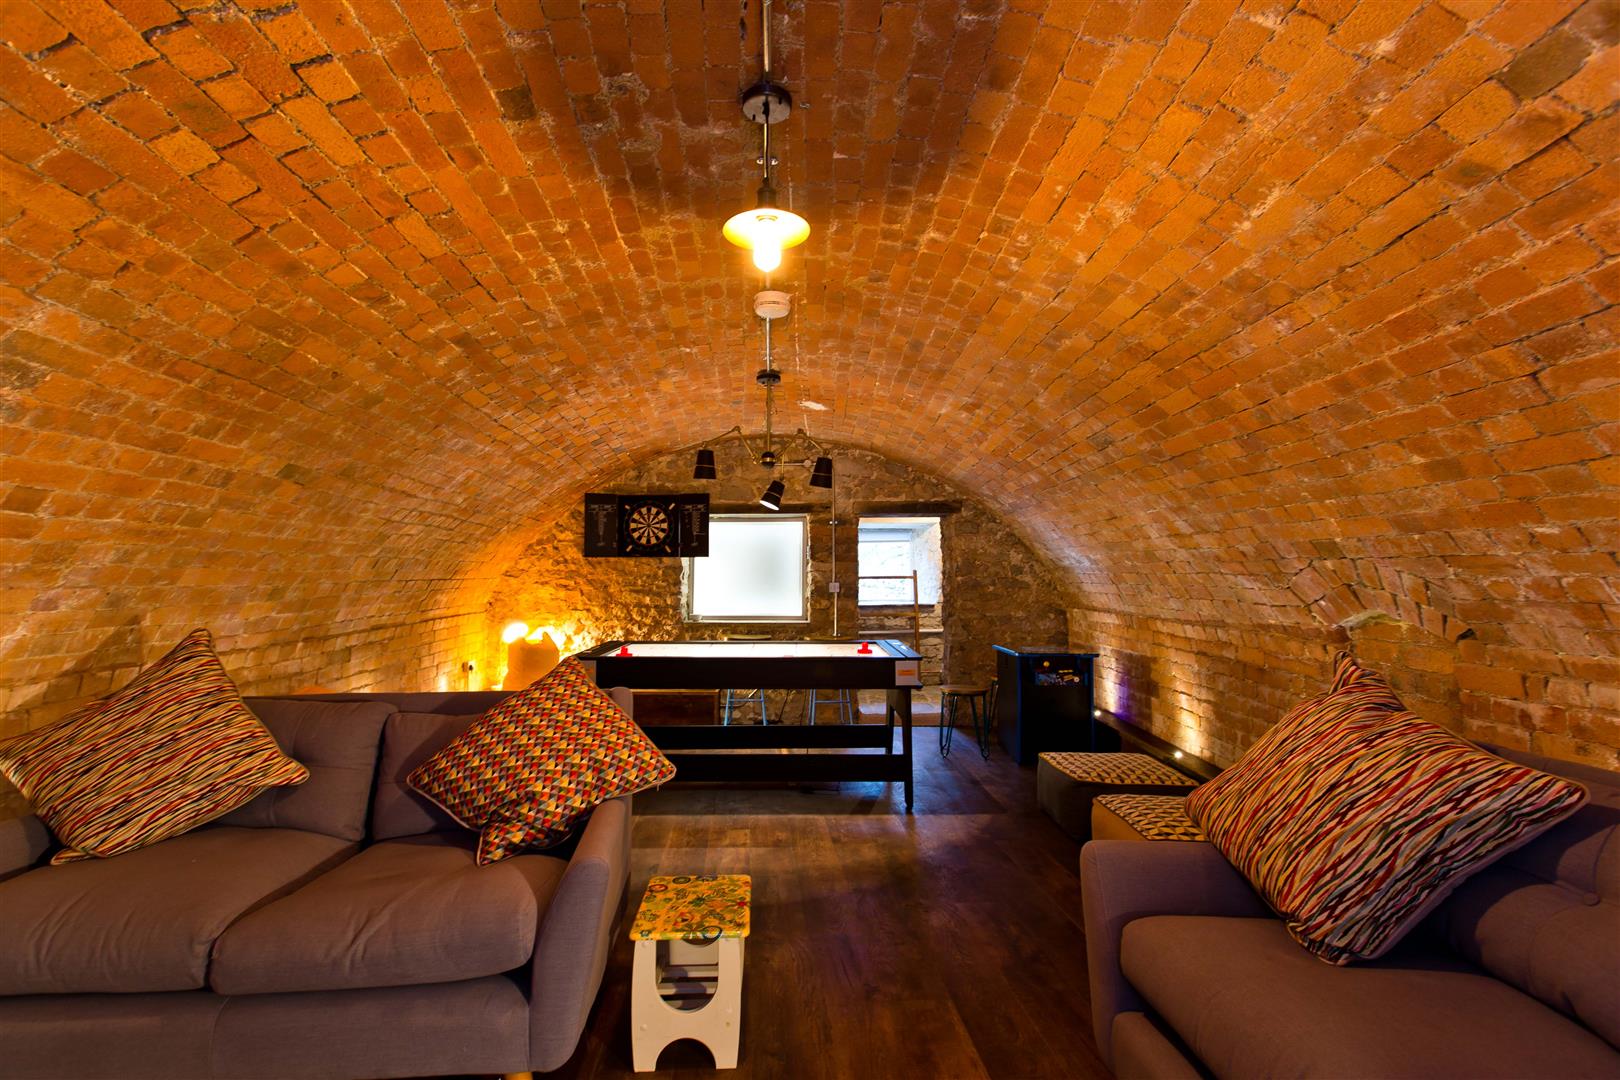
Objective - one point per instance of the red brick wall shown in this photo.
(1256, 318)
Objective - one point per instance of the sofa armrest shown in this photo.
(576, 935)
(1121, 880)
(23, 842)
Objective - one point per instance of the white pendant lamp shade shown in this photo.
(766, 231)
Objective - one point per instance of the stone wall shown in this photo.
(996, 589)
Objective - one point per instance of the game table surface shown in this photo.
(748, 650)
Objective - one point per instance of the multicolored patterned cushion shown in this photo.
(170, 751)
(1121, 769)
(1155, 817)
(1354, 818)
(528, 770)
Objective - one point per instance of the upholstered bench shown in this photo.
(1143, 817)
(1065, 784)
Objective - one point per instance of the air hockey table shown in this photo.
(877, 664)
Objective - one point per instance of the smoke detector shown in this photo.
(772, 304)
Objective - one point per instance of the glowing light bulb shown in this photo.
(514, 631)
(767, 231)
(767, 243)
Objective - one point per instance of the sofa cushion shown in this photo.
(1354, 819)
(529, 770)
(171, 750)
(338, 744)
(1249, 1002)
(147, 920)
(402, 912)
(408, 740)
(1546, 918)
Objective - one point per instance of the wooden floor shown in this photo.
(946, 943)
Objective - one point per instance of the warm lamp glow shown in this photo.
(513, 631)
(766, 231)
(529, 659)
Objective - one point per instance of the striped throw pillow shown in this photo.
(173, 749)
(1354, 818)
(526, 772)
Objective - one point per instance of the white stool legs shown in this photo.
(655, 1022)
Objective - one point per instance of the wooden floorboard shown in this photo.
(946, 943)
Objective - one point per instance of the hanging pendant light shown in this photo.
(772, 498)
(767, 229)
(703, 468)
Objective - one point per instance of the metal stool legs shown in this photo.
(841, 699)
(735, 701)
(950, 702)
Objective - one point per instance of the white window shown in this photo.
(755, 570)
(889, 550)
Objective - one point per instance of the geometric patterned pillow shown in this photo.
(1354, 818)
(527, 771)
(173, 749)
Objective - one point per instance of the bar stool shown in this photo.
(951, 696)
(842, 700)
(738, 700)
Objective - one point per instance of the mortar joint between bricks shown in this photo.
(51, 50)
(314, 61)
(262, 14)
(156, 32)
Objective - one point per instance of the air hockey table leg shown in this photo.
(900, 706)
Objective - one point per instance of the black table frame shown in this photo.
(684, 744)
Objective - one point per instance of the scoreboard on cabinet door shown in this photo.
(646, 526)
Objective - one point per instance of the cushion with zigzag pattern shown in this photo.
(526, 772)
(173, 749)
(1354, 818)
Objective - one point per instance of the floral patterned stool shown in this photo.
(687, 978)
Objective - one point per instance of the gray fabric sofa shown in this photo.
(340, 928)
(1516, 974)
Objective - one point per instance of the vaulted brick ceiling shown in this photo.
(313, 309)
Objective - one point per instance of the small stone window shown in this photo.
(756, 570)
(889, 549)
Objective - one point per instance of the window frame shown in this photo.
(914, 525)
(689, 585)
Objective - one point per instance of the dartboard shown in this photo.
(647, 525)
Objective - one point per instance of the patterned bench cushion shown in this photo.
(1152, 817)
(1136, 770)
(1065, 784)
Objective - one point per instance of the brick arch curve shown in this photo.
(308, 318)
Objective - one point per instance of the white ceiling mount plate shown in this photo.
(772, 304)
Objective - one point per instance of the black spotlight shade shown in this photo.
(703, 468)
(821, 473)
(772, 499)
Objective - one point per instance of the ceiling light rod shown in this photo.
(767, 228)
